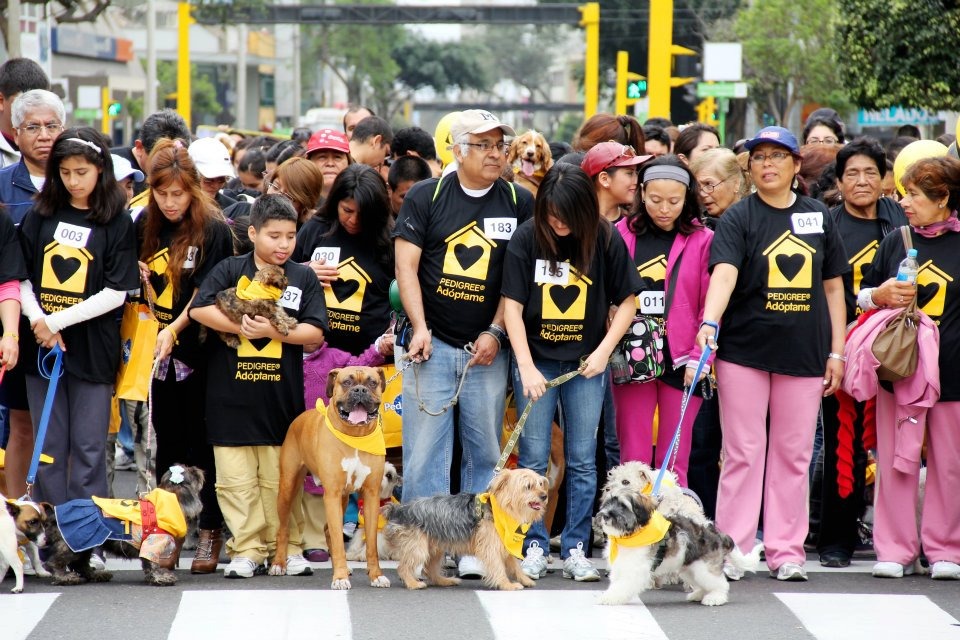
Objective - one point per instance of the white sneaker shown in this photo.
(28, 569)
(790, 572)
(471, 568)
(298, 566)
(534, 563)
(578, 567)
(240, 567)
(945, 570)
(122, 461)
(891, 570)
(731, 572)
(96, 562)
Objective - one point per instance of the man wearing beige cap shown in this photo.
(451, 239)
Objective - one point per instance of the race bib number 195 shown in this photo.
(543, 274)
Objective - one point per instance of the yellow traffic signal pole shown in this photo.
(105, 108)
(660, 59)
(590, 21)
(623, 64)
(184, 19)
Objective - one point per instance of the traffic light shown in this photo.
(636, 89)
(707, 111)
(114, 109)
(631, 87)
(660, 58)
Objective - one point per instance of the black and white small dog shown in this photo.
(71, 567)
(693, 550)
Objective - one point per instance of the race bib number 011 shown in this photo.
(807, 222)
(543, 274)
(72, 235)
(291, 298)
(650, 303)
(330, 255)
(499, 228)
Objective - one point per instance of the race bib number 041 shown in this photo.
(807, 222)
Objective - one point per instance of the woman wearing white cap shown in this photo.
(778, 262)
(213, 163)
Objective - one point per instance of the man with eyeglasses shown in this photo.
(16, 76)
(37, 117)
(451, 240)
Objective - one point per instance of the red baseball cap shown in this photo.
(610, 154)
(328, 139)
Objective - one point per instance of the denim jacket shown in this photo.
(16, 191)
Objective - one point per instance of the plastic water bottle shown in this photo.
(909, 268)
(619, 367)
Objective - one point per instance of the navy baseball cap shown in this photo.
(774, 135)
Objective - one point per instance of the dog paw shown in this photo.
(714, 599)
(278, 570)
(67, 580)
(16, 590)
(611, 599)
(342, 584)
(417, 584)
(381, 582)
(695, 596)
(511, 586)
(101, 576)
(43, 573)
(166, 579)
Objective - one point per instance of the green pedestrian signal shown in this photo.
(636, 89)
(114, 109)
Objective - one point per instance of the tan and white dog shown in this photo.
(9, 556)
(530, 158)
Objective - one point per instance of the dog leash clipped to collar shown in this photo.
(672, 451)
(54, 377)
(515, 436)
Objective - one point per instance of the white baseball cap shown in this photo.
(123, 169)
(212, 158)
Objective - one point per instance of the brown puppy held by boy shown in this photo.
(258, 297)
(491, 526)
(343, 448)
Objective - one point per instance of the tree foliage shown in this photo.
(203, 94)
(900, 53)
(790, 55)
(442, 66)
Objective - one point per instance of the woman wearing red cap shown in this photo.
(330, 151)
(778, 262)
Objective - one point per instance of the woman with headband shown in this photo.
(670, 249)
(776, 302)
(81, 256)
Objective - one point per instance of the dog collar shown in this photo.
(652, 533)
(253, 290)
(511, 532)
(372, 443)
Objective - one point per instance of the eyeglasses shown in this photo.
(706, 187)
(485, 147)
(776, 156)
(273, 186)
(827, 140)
(53, 128)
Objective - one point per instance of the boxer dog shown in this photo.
(342, 446)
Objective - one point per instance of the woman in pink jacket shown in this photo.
(664, 234)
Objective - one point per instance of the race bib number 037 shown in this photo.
(291, 298)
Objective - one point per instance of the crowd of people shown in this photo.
(755, 259)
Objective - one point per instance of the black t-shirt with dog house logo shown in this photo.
(464, 241)
(777, 318)
(358, 301)
(650, 256)
(565, 313)
(199, 262)
(254, 392)
(861, 238)
(69, 259)
(938, 292)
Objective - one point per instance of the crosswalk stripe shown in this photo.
(256, 615)
(22, 612)
(567, 614)
(838, 616)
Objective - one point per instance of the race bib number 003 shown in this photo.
(807, 222)
(291, 298)
(330, 255)
(72, 235)
(543, 274)
(499, 228)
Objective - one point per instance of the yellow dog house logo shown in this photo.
(158, 278)
(790, 263)
(65, 268)
(566, 302)
(347, 291)
(932, 289)
(468, 253)
(260, 348)
(861, 261)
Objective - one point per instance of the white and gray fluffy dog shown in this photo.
(639, 478)
(693, 550)
(357, 548)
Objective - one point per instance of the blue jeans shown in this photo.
(428, 440)
(581, 400)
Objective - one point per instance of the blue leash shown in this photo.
(683, 410)
(54, 376)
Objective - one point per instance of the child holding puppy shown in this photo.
(255, 391)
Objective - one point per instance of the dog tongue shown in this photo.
(527, 167)
(358, 415)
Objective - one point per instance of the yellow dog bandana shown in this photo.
(372, 443)
(511, 532)
(653, 533)
(248, 289)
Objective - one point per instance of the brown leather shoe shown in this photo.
(208, 551)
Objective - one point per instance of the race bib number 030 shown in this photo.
(807, 222)
(291, 298)
(543, 274)
(72, 235)
(499, 228)
(330, 255)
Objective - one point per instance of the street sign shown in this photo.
(87, 114)
(721, 89)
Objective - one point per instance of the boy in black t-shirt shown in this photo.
(256, 390)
